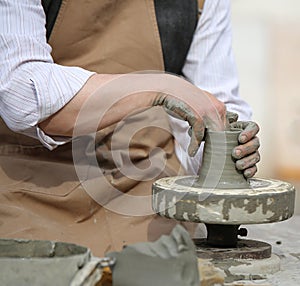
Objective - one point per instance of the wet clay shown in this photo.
(26, 262)
(13, 248)
(218, 166)
(169, 261)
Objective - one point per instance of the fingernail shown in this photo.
(238, 153)
(243, 138)
(247, 174)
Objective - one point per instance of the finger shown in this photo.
(196, 138)
(231, 117)
(186, 113)
(250, 172)
(176, 109)
(173, 113)
(194, 145)
(247, 162)
(246, 149)
(250, 129)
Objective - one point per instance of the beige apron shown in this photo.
(40, 194)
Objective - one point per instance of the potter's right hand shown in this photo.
(201, 109)
(197, 114)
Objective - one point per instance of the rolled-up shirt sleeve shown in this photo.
(32, 86)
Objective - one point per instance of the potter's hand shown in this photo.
(196, 113)
(246, 153)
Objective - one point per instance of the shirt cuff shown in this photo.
(55, 86)
(63, 84)
(51, 142)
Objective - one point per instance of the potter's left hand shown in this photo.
(246, 153)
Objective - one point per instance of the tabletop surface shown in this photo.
(285, 240)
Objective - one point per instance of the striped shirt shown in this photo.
(33, 87)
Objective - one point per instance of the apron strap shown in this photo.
(176, 21)
(200, 5)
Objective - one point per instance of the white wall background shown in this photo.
(266, 42)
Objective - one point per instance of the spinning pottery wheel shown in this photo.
(222, 199)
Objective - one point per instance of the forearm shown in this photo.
(62, 123)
